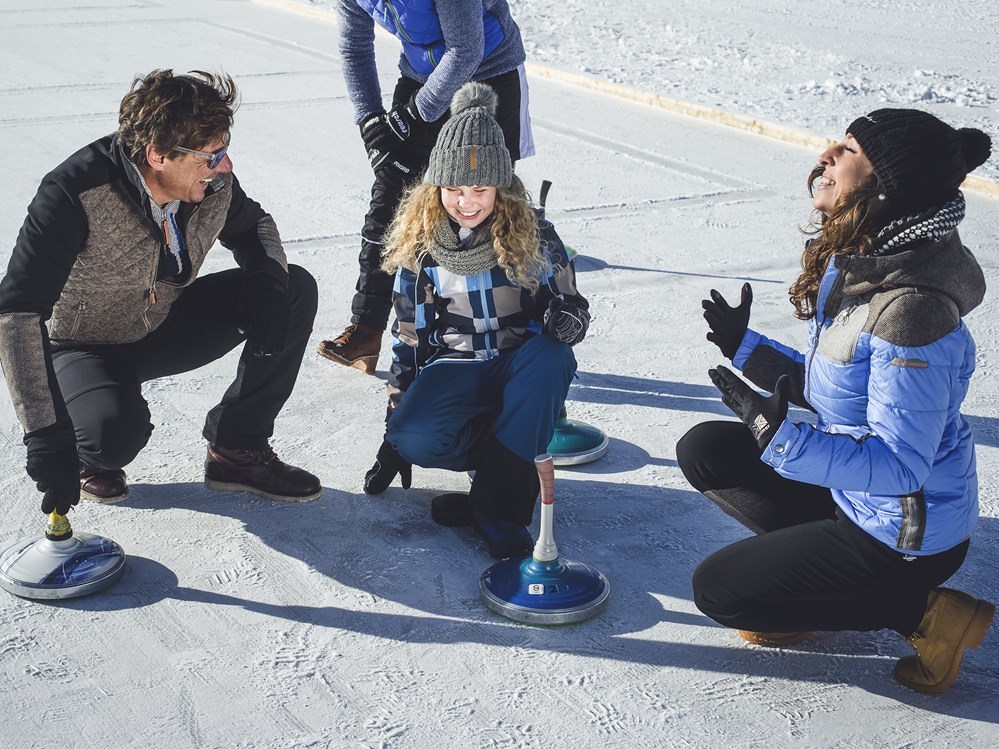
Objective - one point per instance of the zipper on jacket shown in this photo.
(398, 21)
(485, 316)
(81, 307)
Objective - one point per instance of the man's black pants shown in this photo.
(102, 385)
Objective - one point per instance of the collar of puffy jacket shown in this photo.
(945, 266)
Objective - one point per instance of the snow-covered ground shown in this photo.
(355, 620)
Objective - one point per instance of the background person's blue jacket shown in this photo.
(445, 44)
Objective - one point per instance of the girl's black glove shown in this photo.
(762, 415)
(566, 322)
(388, 463)
(56, 473)
(728, 324)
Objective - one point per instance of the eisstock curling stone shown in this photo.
(575, 443)
(544, 588)
(60, 563)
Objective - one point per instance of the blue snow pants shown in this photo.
(454, 404)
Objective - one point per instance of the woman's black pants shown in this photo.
(809, 567)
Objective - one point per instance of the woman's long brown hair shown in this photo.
(849, 229)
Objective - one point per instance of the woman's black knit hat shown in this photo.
(919, 159)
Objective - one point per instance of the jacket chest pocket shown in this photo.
(838, 342)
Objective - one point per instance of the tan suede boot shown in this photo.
(773, 639)
(357, 346)
(953, 621)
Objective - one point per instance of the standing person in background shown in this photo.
(863, 516)
(445, 43)
(486, 314)
(103, 294)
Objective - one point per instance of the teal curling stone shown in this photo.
(575, 443)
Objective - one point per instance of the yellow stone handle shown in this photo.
(58, 526)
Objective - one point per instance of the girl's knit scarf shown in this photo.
(933, 224)
(467, 258)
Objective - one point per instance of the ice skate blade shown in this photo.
(43, 569)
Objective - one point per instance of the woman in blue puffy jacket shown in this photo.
(862, 515)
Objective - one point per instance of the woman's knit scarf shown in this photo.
(933, 224)
(467, 258)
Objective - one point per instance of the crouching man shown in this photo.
(102, 294)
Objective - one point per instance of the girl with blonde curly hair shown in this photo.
(486, 314)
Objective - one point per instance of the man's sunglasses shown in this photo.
(213, 159)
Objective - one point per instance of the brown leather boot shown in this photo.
(953, 621)
(773, 639)
(357, 346)
(258, 472)
(106, 487)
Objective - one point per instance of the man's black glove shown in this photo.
(728, 324)
(263, 313)
(388, 463)
(762, 415)
(56, 473)
(566, 322)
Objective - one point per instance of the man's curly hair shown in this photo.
(166, 110)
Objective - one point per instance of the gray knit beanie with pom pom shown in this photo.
(471, 149)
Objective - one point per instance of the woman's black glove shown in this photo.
(728, 324)
(263, 313)
(56, 473)
(388, 463)
(566, 322)
(762, 415)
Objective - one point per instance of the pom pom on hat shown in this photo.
(977, 147)
(471, 148)
(474, 94)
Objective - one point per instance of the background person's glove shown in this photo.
(378, 139)
(388, 464)
(566, 322)
(761, 414)
(728, 324)
(263, 313)
(406, 122)
(56, 473)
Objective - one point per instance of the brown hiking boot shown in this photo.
(953, 621)
(258, 472)
(106, 487)
(357, 346)
(773, 639)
